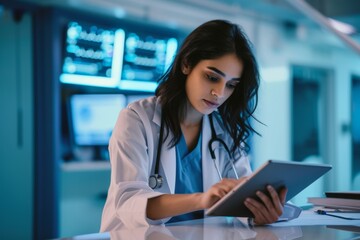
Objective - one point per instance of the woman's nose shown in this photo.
(219, 90)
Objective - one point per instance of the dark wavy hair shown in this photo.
(212, 40)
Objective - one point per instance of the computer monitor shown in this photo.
(92, 55)
(93, 117)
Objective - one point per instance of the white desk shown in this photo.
(222, 228)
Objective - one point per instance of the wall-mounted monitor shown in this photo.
(146, 57)
(92, 55)
(93, 117)
(131, 57)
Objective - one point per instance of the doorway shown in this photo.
(355, 131)
(312, 121)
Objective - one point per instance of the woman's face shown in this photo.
(211, 82)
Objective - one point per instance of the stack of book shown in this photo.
(338, 200)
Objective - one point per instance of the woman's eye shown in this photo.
(212, 78)
(232, 85)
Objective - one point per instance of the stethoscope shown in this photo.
(156, 180)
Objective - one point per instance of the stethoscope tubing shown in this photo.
(214, 139)
(155, 180)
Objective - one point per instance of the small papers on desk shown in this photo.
(347, 201)
(342, 205)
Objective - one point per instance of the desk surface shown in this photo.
(234, 228)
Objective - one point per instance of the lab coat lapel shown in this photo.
(168, 156)
(168, 162)
(209, 171)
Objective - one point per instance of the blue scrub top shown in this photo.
(188, 175)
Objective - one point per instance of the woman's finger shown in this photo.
(283, 194)
(260, 212)
(276, 202)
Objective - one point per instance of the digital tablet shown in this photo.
(296, 176)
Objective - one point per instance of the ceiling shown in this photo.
(189, 13)
(345, 10)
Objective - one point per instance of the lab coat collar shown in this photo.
(157, 113)
(218, 127)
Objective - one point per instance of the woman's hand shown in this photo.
(218, 190)
(270, 208)
(168, 205)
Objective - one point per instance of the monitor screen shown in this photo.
(92, 55)
(93, 117)
(145, 58)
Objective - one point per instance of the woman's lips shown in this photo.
(211, 104)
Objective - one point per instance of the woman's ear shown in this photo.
(185, 69)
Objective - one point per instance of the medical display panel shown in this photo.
(125, 57)
(92, 55)
(146, 57)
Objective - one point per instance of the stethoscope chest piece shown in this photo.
(155, 181)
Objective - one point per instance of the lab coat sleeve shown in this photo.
(130, 168)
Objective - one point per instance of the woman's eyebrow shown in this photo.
(221, 73)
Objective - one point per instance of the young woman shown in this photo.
(176, 154)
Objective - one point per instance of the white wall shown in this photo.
(274, 114)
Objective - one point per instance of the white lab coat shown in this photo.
(133, 147)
